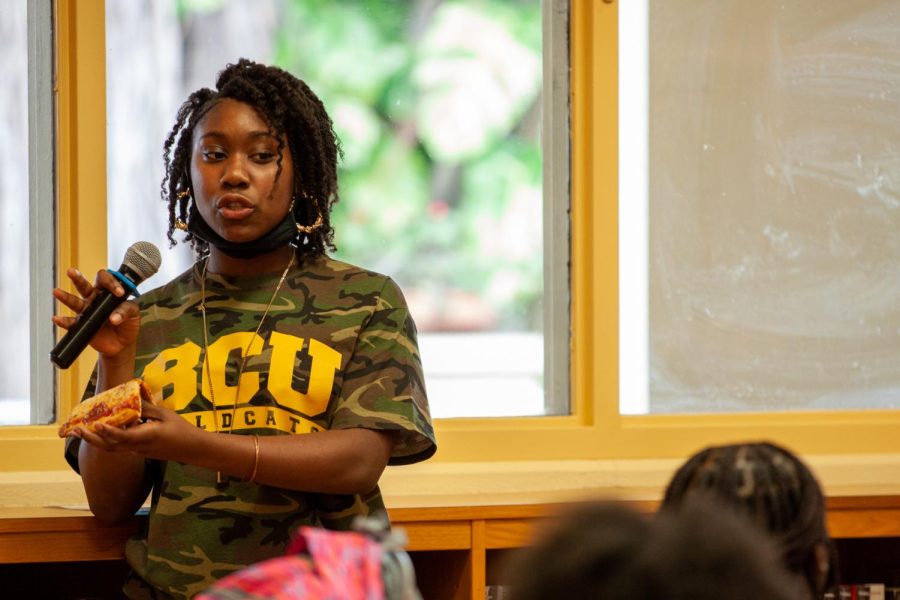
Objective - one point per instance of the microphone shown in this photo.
(142, 259)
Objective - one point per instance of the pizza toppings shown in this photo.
(117, 407)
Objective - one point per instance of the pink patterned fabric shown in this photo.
(319, 565)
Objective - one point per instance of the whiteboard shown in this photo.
(774, 205)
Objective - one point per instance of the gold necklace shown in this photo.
(244, 356)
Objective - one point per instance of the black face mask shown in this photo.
(279, 236)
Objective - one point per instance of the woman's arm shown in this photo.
(344, 461)
(115, 484)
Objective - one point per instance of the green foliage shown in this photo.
(186, 7)
(437, 106)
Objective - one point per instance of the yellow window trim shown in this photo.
(81, 162)
(81, 216)
(595, 431)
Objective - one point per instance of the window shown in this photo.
(26, 212)
(759, 184)
(445, 174)
(596, 427)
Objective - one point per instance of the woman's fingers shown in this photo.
(64, 322)
(163, 435)
(84, 288)
(151, 411)
(82, 285)
(108, 281)
(111, 435)
(97, 439)
(113, 438)
(86, 292)
(126, 310)
(73, 302)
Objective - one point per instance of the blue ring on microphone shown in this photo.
(126, 282)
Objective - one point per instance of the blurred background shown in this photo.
(437, 104)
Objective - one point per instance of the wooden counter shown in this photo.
(454, 543)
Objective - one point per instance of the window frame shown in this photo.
(595, 429)
(41, 200)
(80, 170)
(81, 161)
(79, 166)
(557, 194)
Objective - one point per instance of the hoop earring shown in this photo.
(308, 229)
(180, 224)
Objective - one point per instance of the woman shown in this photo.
(264, 339)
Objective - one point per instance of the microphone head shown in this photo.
(142, 259)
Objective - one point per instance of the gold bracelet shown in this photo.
(255, 458)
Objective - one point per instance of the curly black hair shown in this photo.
(291, 110)
(773, 488)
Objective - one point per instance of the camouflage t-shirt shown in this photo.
(336, 351)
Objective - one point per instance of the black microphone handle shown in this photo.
(88, 323)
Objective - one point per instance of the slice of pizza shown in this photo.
(118, 406)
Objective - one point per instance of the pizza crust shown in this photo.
(116, 407)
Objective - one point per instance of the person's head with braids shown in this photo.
(288, 168)
(772, 487)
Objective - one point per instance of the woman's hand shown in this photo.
(162, 434)
(121, 329)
